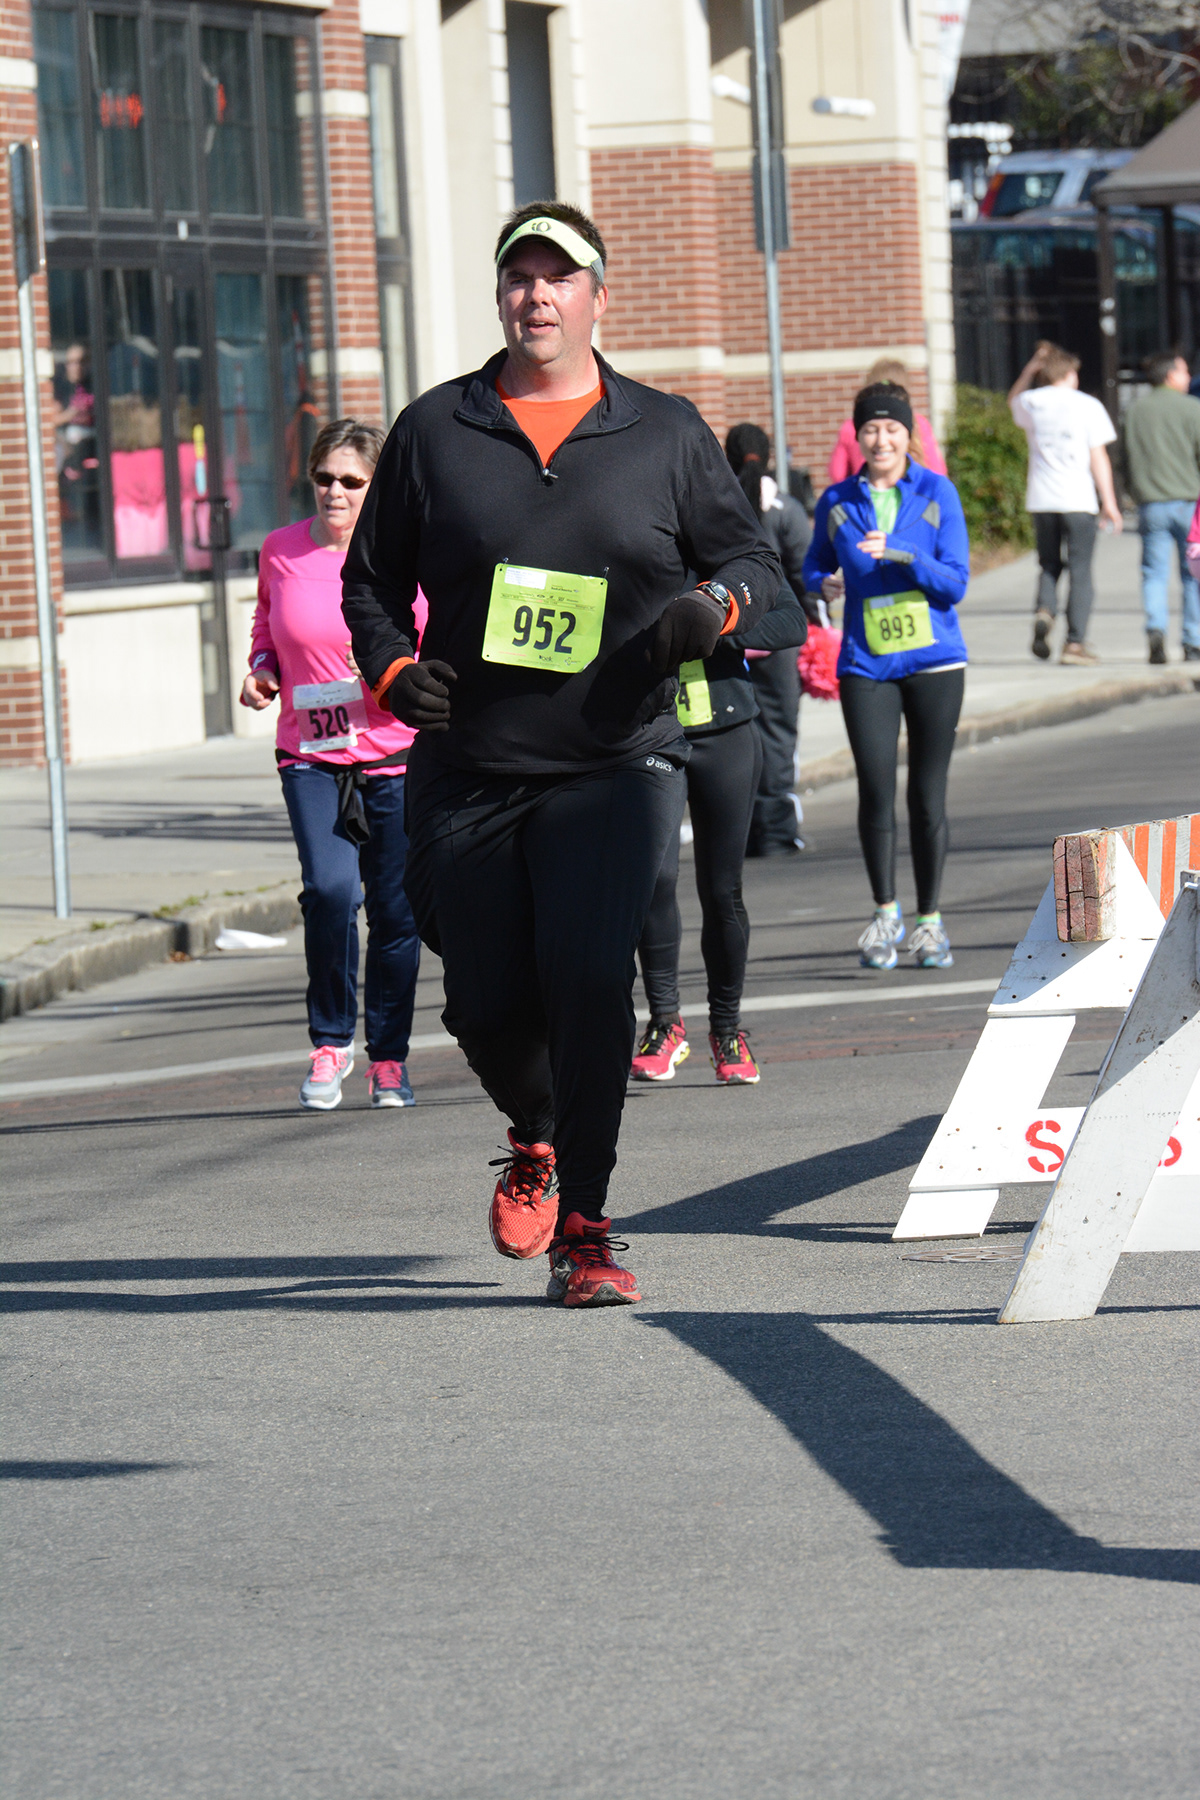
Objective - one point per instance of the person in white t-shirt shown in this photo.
(1070, 482)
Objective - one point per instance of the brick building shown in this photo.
(261, 214)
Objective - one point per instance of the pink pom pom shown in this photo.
(817, 662)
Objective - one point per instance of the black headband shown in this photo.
(883, 401)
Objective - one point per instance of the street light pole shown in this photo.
(30, 257)
(772, 211)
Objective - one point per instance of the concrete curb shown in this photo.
(83, 960)
(981, 728)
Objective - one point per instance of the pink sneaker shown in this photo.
(388, 1084)
(732, 1060)
(660, 1051)
(322, 1090)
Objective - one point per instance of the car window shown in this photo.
(1093, 176)
(1018, 193)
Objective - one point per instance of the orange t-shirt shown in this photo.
(548, 423)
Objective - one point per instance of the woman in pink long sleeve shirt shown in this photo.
(847, 458)
(342, 760)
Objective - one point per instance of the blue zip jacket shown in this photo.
(927, 551)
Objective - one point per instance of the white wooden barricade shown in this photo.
(997, 1132)
(1107, 1180)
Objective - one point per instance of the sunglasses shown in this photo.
(351, 483)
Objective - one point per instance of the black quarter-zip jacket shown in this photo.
(639, 493)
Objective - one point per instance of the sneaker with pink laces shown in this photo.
(322, 1090)
(660, 1051)
(388, 1084)
(732, 1060)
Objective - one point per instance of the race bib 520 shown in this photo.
(544, 619)
(330, 715)
(897, 622)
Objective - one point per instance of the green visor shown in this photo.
(554, 231)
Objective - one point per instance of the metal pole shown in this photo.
(21, 169)
(1110, 351)
(762, 133)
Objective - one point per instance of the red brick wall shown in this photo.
(685, 270)
(352, 218)
(657, 211)
(20, 690)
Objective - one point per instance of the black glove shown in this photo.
(688, 630)
(419, 696)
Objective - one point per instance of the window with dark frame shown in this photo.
(187, 273)
(389, 190)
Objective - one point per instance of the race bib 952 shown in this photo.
(544, 619)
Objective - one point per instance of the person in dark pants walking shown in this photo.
(1068, 468)
(341, 760)
(893, 540)
(579, 537)
(717, 707)
(776, 678)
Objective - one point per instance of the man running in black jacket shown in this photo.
(553, 513)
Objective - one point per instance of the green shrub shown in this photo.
(986, 456)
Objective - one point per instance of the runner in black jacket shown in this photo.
(550, 510)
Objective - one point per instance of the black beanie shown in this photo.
(883, 400)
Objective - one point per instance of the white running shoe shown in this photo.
(877, 945)
(929, 946)
(322, 1090)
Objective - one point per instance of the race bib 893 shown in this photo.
(897, 622)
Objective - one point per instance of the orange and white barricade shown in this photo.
(1088, 946)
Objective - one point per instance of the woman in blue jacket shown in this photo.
(893, 539)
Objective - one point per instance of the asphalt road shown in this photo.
(309, 1494)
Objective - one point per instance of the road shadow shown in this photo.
(313, 1283)
(749, 1205)
(937, 1502)
(79, 1471)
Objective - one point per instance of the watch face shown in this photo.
(717, 589)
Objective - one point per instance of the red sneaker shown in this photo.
(732, 1060)
(662, 1048)
(582, 1271)
(524, 1210)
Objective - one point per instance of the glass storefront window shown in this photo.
(304, 400)
(60, 123)
(173, 120)
(76, 458)
(385, 160)
(229, 121)
(120, 112)
(187, 281)
(395, 348)
(391, 224)
(138, 471)
(191, 437)
(244, 384)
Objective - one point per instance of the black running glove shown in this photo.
(688, 630)
(420, 697)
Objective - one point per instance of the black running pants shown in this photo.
(930, 705)
(777, 689)
(722, 780)
(534, 892)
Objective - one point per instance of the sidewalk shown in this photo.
(199, 828)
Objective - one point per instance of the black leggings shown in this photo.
(931, 705)
(722, 780)
(534, 890)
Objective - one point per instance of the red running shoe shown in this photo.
(732, 1060)
(582, 1271)
(524, 1211)
(662, 1048)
